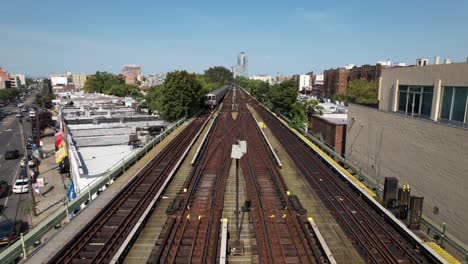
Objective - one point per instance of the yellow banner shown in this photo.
(61, 153)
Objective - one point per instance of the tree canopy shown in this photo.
(108, 83)
(101, 82)
(258, 88)
(219, 75)
(360, 91)
(180, 94)
(283, 96)
(10, 93)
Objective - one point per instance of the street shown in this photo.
(11, 138)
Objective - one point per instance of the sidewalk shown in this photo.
(55, 185)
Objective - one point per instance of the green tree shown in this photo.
(181, 93)
(219, 75)
(44, 97)
(298, 115)
(102, 82)
(361, 91)
(7, 94)
(28, 207)
(342, 97)
(283, 96)
(207, 86)
(312, 108)
(153, 97)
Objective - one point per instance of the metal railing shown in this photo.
(21, 248)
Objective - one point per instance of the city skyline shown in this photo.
(287, 38)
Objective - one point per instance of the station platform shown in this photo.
(337, 241)
(56, 242)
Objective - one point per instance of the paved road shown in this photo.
(11, 137)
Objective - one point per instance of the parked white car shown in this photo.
(20, 186)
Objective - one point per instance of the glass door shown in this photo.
(416, 104)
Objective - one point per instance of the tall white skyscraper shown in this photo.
(241, 68)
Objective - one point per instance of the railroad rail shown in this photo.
(192, 233)
(376, 239)
(102, 238)
(284, 233)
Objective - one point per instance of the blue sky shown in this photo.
(43, 37)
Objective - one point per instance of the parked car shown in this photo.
(21, 186)
(19, 114)
(10, 231)
(31, 162)
(4, 189)
(29, 143)
(12, 154)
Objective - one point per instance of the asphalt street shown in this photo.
(11, 137)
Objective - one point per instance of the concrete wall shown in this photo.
(431, 157)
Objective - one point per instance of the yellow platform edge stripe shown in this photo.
(329, 159)
(444, 254)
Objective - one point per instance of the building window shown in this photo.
(454, 108)
(415, 101)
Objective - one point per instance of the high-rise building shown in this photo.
(130, 73)
(242, 60)
(241, 69)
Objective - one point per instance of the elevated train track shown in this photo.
(191, 233)
(99, 242)
(376, 238)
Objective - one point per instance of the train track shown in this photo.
(377, 240)
(100, 240)
(191, 235)
(282, 233)
(189, 232)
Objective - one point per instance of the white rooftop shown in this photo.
(97, 160)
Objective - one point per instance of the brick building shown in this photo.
(368, 72)
(131, 73)
(331, 128)
(336, 80)
(4, 76)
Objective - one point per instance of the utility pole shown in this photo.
(238, 150)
